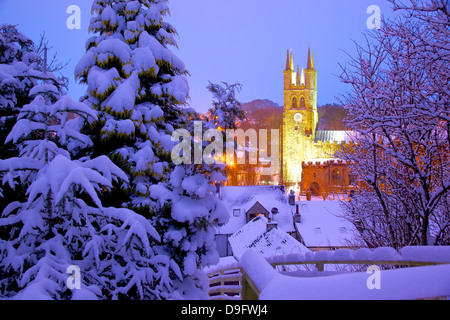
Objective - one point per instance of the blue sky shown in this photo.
(241, 41)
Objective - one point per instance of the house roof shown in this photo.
(254, 236)
(245, 197)
(322, 225)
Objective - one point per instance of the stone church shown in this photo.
(308, 155)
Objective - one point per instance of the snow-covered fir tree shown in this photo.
(225, 114)
(139, 87)
(226, 111)
(21, 69)
(14, 51)
(62, 224)
(23, 75)
(191, 208)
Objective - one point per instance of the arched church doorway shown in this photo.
(315, 189)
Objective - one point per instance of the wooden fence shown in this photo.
(225, 284)
(236, 282)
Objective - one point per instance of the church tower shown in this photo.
(300, 118)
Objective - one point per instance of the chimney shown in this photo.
(297, 216)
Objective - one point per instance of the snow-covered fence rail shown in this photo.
(408, 256)
(225, 283)
(430, 277)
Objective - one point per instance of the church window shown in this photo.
(294, 103)
(336, 177)
(302, 103)
(351, 179)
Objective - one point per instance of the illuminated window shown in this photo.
(336, 177)
(351, 179)
(254, 215)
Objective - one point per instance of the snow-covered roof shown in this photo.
(322, 225)
(322, 161)
(254, 236)
(245, 197)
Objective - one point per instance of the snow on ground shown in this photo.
(403, 284)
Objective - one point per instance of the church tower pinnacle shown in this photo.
(288, 61)
(310, 72)
(310, 62)
(289, 74)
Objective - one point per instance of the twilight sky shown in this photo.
(241, 41)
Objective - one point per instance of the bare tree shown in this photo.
(53, 64)
(399, 105)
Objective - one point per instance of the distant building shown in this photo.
(300, 139)
(323, 177)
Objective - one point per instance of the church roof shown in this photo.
(333, 135)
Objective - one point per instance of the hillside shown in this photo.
(331, 117)
(262, 114)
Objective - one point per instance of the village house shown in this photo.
(321, 226)
(262, 235)
(245, 203)
(266, 219)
